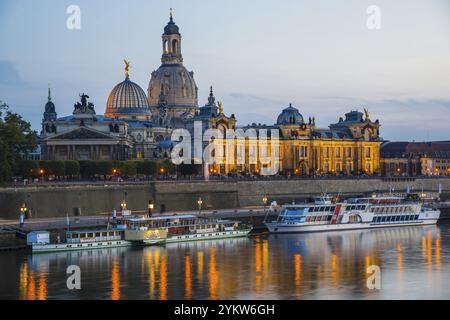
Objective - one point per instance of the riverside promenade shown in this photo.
(99, 198)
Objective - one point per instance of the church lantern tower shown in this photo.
(171, 42)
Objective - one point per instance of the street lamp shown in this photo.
(123, 205)
(23, 210)
(151, 206)
(200, 203)
(264, 200)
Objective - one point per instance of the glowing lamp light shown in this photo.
(23, 208)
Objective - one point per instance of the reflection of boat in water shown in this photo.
(360, 213)
(364, 242)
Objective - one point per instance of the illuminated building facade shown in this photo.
(137, 126)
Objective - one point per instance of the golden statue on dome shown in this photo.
(127, 68)
(366, 114)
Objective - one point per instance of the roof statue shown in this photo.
(127, 68)
(366, 114)
(219, 103)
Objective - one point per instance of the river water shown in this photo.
(414, 264)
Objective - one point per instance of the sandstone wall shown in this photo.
(96, 199)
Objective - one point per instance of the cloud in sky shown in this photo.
(317, 55)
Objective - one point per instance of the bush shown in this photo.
(167, 167)
(72, 168)
(104, 168)
(147, 167)
(29, 169)
(87, 168)
(128, 168)
(190, 169)
(56, 168)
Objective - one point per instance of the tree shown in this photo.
(17, 140)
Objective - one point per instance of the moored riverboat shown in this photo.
(80, 240)
(180, 228)
(358, 213)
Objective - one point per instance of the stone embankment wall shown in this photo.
(51, 201)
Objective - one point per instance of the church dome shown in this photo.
(127, 99)
(290, 115)
(172, 85)
(171, 27)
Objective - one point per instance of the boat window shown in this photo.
(322, 209)
(97, 234)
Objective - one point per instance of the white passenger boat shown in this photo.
(359, 213)
(180, 228)
(81, 240)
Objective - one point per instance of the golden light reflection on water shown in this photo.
(187, 277)
(162, 277)
(429, 252)
(258, 266)
(115, 280)
(200, 266)
(213, 275)
(298, 269)
(31, 292)
(42, 293)
(262, 266)
(438, 254)
(399, 258)
(23, 281)
(334, 272)
(151, 274)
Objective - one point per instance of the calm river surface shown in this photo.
(414, 264)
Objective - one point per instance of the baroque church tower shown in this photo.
(172, 91)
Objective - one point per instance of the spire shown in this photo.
(171, 15)
(49, 94)
(211, 98)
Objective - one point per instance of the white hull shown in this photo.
(40, 248)
(208, 236)
(292, 228)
